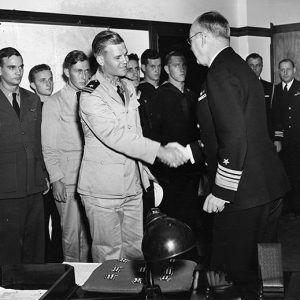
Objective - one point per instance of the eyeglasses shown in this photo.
(189, 39)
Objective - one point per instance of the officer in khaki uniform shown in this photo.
(62, 142)
(112, 175)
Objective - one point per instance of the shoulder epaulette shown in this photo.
(91, 86)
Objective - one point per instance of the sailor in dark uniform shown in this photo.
(255, 62)
(286, 111)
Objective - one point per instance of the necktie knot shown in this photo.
(15, 104)
(285, 89)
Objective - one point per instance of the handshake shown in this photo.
(174, 154)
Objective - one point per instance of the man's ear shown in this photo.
(33, 86)
(100, 60)
(67, 72)
(166, 67)
(143, 67)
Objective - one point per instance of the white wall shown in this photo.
(50, 44)
(54, 42)
(262, 12)
(261, 45)
(240, 13)
(182, 11)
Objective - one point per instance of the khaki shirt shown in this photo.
(114, 145)
(62, 139)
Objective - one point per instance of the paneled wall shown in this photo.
(286, 45)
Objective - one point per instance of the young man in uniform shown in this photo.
(22, 172)
(62, 142)
(255, 62)
(112, 174)
(41, 82)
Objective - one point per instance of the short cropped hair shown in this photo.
(103, 39)
(149, 54)
(133, 56)
(215, 23)
(73, 58)
(286, 60)
(36, 69)
(8, 52)
(170, 54)
(254, 56)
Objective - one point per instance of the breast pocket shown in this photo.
(71, 132)
(30, 116)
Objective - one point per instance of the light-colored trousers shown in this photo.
(74, 231)
(116, 227)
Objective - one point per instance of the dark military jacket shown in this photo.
(268, 92)
(286, 114)
(241, 158)
(22, 169)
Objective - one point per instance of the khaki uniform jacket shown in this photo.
(62, 139)
(113, 136)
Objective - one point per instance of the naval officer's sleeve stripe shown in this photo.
(228, 175)
(224, 183)
(230, 171)
(279, 133)
(228, 178)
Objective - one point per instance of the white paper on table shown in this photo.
(11, 294)
(82, 271)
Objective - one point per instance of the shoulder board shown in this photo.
(91, 86)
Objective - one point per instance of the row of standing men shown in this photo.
(62, 148)
(112, 176)
(283, 112)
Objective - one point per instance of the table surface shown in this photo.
(45, 274)
(246, 291)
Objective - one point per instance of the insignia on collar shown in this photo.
(91, 86)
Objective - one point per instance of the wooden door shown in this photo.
(286, 45)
